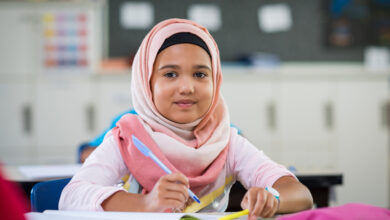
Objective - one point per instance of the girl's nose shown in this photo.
(186, 86)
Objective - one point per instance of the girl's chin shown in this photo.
(183, 120)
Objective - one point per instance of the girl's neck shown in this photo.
(184, 131)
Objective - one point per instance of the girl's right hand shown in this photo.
(170, 192)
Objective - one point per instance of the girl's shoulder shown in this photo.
(237, 140)
(241, 148)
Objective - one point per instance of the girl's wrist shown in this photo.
(145, 203)
(277, 209)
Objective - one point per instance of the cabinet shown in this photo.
(305, 124)
(65, 117)
(44, 120)
(16, 121)
(288, 116)
(47, 50)
(20, 25)
(113, 96)
(362, 141)
(249, 104)
(319, 118)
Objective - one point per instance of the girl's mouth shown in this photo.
(185, 103)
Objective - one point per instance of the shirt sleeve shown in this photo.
(251, 166)
(98, 139)
(96, 179)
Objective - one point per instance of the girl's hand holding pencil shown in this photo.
(170, 192)
(260, 202)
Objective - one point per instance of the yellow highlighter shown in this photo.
(235, 215)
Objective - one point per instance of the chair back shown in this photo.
(46, 195)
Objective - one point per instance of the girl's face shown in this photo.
(182, 83)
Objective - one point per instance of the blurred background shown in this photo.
(306, 81)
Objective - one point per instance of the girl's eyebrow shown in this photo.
(172, 66)
(202, 67)
(169, 66)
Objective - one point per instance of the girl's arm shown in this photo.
(256, 171)
(93, 186)
(96, 179)
(294, 196)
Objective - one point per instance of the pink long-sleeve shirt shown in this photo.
(99, 175)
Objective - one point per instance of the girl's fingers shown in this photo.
(244, 202)
(171, 195)
(258, 200)
(179, 190)
(260, 203)
(177, 177)
(172, 187)
(270, 207)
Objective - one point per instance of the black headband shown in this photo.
(182, 38)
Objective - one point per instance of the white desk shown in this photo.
(38, 173)
(83, 215)
(318, 182)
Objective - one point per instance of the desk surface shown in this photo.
(318, 182)
(83, 215)
(14, 173)
(39, 173)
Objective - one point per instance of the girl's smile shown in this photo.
(185, 103)
(182, 83)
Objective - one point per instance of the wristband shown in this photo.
(274, 192)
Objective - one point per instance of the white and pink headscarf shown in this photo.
(198, 149)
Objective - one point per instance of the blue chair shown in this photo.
(46, 195)
(80, 149)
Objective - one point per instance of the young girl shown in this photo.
(183, 119)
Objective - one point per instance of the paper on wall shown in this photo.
(274, 18)
(207, 15)
(136, 15)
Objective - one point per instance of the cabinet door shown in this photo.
(249, 102)
(19, 39)
(305, 124)
(363, 142)
(113, 96)
(64, 118)
(16, 122)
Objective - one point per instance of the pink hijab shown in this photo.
(198, 149)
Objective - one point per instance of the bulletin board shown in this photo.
(66, 39)
(240, 35)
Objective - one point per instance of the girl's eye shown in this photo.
(200, 75)
(170, 75)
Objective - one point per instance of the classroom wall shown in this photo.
(240, 33)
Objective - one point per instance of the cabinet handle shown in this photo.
(90, 118)
(385, 116)
(27, 119)
(271, 116)
(328, 111)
